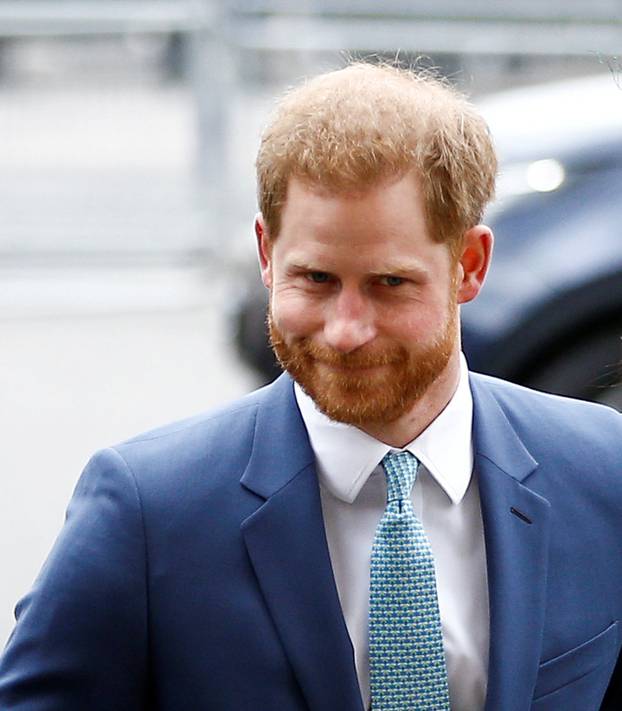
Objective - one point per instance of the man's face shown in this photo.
(363, 310)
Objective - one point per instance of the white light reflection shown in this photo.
(544, 176)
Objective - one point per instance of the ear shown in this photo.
(474, 262)
(264, 250)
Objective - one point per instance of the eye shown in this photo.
(318, 277)
(391, 280)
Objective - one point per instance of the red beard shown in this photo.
(376, 385)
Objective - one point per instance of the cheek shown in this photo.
(419, 322)
(295, 314)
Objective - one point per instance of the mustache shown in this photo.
(304, 349)
(389, 355)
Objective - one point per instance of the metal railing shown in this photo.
(32, 18)
(523, 27)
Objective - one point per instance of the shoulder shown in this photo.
(223, 423)
(551, 419)
(202, 450)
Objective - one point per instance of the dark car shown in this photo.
(550, 315)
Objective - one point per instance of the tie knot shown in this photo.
(401, 471)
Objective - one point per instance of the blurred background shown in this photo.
(128, 290)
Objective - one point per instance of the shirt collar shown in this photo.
(346, 456)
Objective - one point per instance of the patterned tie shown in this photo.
(407, 661)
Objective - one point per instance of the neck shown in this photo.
(404, 430)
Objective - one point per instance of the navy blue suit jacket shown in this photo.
(192, 573)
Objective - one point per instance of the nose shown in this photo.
(349, 322)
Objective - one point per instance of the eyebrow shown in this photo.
(402, 268)
(303, 265)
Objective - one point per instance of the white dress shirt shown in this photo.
(446, 501)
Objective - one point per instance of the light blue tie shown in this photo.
(407, 661)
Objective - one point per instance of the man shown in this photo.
(276, 555)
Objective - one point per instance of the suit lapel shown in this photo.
(516, 528)
(286, 542)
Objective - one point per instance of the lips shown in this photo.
(352, 368)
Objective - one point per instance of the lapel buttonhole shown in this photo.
(520, 515)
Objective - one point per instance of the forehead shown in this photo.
(382, 224)
(386, 209)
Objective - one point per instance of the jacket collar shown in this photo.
(286, 543)
(281, 448)
(516, 529)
